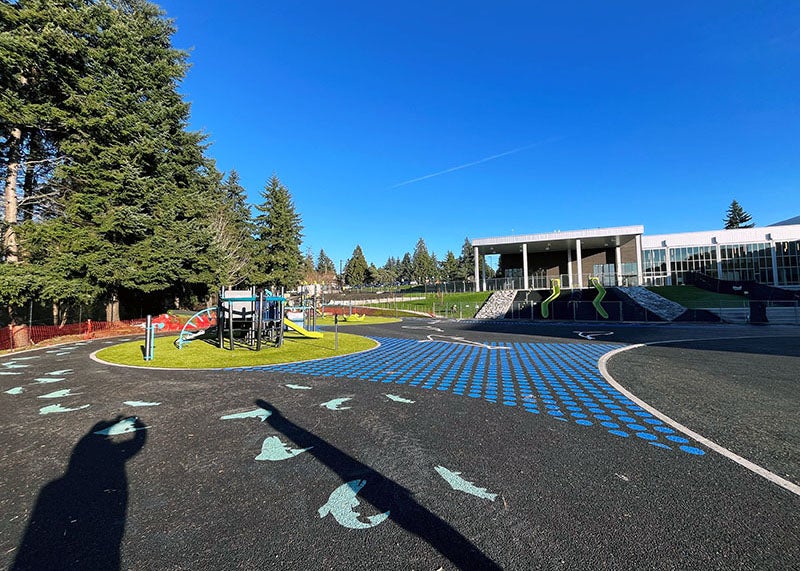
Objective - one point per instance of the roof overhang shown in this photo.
(558, 241)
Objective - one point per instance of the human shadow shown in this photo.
(385, 495)
(79, 519)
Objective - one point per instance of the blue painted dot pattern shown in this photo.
(560, 380)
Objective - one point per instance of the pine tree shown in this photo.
(736, 217)
(451, 269)
(405, 271)
(279, 233)
(324, 264)
(466, 262)
(355, 270)
(122, 201)
(423, 268)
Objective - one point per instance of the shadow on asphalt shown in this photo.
(386, 495)
(79, 519)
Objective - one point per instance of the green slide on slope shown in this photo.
(302, 331)
(601, 293)
(555, 284)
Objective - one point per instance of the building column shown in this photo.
(719, 262)
(668, 261)
(639, 274)
(525, 265)
(774, 264)
(477, 274)
(483, 271)
(569, 267)
(580, 262)
(618, 260)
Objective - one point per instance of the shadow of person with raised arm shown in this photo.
(79, 519)
(386, 495)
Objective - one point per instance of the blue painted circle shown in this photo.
(626, 419)
(678, 439)
(619, 433)
(692, 450)
(660, 445)
(555, 412)
(579, 415)
(602, 417)
(637, 427)
(609, 424)
(664, 429)
(646, 436)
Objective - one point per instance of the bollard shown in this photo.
(149, 338)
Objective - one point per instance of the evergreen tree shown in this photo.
(423, 268)
(389, 273)
(373, 276)
(355, 270)
(94, 95)
(451, 269)
(736, 217)
(324, 264)
(466, 262)
(279, 233)
(405, 271)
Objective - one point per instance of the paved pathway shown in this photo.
(453, 445)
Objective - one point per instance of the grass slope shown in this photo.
(695, 298)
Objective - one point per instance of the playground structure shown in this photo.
(253, 317)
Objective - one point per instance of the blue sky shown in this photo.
(444, 120)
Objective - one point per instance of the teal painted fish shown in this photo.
(59, 394)
(140, 403)
(124, 426)
(299, 387)
(15, 391)
(274, 449)
(257, 413)
(396, 398)
(335, 404)
(54, 408)
(458, 483)
(340, 505)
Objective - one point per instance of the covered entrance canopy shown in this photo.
(529, 261)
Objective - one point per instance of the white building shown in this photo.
(626, 256)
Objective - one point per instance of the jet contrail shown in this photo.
(479, 161)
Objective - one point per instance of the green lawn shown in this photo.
(466, 304)
(368, 320)
(696, 298)
(200, 354)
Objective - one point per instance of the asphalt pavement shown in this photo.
(452, 445)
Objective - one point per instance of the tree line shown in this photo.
(421, 267)
(107, 193)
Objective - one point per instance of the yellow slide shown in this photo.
(302, 331)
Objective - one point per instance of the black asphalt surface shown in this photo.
(187, 492)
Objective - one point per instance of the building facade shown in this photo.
(625, 256)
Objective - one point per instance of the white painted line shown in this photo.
(763, 472)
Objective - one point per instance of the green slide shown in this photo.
(555, 284)
(601, 293)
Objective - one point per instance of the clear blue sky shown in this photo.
(533, 116)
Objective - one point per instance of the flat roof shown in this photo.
(591, 238)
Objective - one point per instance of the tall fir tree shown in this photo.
(355, 270)
(736, 217)
(95, 96)
(423, 267)
(324, 264)
(279, 234)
